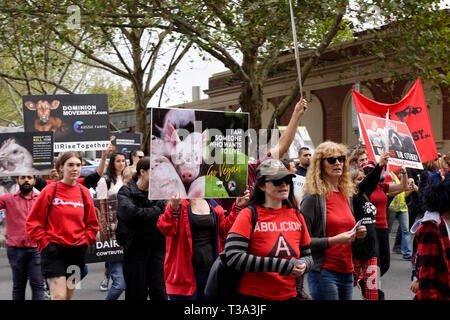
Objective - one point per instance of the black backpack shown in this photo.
(223, 281)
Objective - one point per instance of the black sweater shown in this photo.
(365, 210)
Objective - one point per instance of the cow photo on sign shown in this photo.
(79, 122)
(43, 120)
(198, 153)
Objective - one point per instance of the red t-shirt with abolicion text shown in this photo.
(340, 219)
(278, 233)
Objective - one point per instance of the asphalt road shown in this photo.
(395, 283)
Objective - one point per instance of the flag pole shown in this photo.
(297, 56)
(387, 139)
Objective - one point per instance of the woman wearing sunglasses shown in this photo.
(328, 215)
(276, 251)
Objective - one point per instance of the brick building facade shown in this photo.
(328, 91)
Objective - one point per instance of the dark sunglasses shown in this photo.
(332, 160)
(140, 157)
(277, 183)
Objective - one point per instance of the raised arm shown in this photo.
(395, 189)
(288, 136)
(101, 166)
(369, 184)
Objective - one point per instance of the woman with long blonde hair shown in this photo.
(330, 221)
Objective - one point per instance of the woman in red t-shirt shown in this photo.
(63, 223)
(328, 215)
(276, 251)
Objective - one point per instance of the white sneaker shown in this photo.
(104, 284)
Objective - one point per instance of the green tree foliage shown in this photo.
(258, 32)
(107, 35)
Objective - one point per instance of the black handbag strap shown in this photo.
(254, 218)
(53, 198)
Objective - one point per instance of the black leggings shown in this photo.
(384, 253)
(143, 270)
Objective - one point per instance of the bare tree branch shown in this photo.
(169, 71)
(4, 75)
(306, 69)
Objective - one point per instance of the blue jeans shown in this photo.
(26, 263)
(118, 281)
(200, 278)
(330, 285)
(403, 221)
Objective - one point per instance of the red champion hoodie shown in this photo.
(70, 222)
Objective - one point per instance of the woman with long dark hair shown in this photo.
(274, 252)
(107, 188)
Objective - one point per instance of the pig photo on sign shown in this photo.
(178, 119)
(159, 148)
(197, 188)
(401, 142)
(187, 154)
(164, 178)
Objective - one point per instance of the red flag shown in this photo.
(412, 110)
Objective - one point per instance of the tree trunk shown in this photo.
(251, 100)
(140, 105)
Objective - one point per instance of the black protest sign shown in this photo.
(126, 142)
(79, 122)
(26, 153)
(105, 247)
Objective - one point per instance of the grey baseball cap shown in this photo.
(272, 169)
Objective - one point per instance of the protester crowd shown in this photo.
(332, 231)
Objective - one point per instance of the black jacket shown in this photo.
(137, 217)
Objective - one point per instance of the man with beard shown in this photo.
(23, 255)
(304, 158)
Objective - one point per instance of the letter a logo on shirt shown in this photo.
(282, 248)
